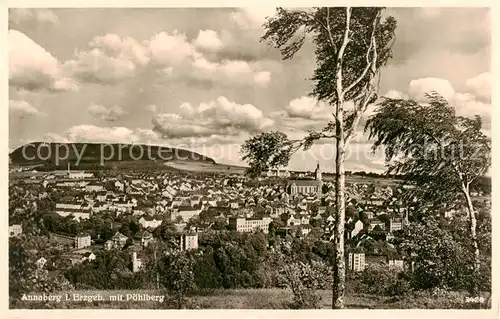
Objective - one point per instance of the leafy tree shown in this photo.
(265, 151)
(24, 275)
(177, 276)
(352, 44)
(439, 152)
(304, 278)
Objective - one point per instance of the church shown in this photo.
(307, 186)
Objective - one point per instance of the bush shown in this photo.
(304, 279)
(382, 280)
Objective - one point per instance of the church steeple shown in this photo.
(318, 173)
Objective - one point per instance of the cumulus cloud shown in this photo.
(208, 40)
(252, 18)
(117, 134)
(109, 114)
(262, 78)
(22, 109)
(32, 68)
(170, 49)
(20, 15)
(308, 108)
(219, 117)
(419, 87)
(108, 60)
(480, 86)
(236, 71)
(393, 94)
(477, 102)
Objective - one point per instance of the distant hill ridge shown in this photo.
(58, 155)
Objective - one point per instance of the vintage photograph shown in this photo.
(250, 158)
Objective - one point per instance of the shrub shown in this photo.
(304, 279)
(382, 280)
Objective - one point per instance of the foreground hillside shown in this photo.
(264, 299)
(93, 155)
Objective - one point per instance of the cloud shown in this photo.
(308, 108)
(480, 86)
(208, 40)
(117, 134)
(170, 49)
(393, 94)
(109, 60)
(32, 68)
(22, 109)
(237, 71)
(20, 15)
(466, 104)
(219, 117)
(152, 108)
(262, 78)
(418, 88)
(252, 18)
(109, 114)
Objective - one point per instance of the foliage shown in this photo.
(268, 150)
(442, 256)
(26, 277)
(177, 276)
(304, 278)
(441, 153)
(382, 280)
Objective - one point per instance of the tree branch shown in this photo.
(340, 55)
(369, 64)
(328, 29)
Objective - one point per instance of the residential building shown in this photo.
(82, 241)
(356, 261)
(242, 224)
(357, 227)
(395, 224)
(15, 230)
(186, 212)
(149, 222)
(137, 264)
(79, 174)
(119, 240)
(189, 241)
(89, 256)
(94, 187)
(397, 264)
(144, 237)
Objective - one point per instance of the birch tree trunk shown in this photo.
(473, 226)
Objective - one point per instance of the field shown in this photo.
(273, 298)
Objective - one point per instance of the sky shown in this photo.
(200, 79)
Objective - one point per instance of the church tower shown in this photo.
(320, 181)
(318, 173)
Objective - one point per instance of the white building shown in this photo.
(189, 241)
(136, 263)
(242, 224)
(79, 175)
(15, 230)
(358, 226)
(356, 262)
(82, 241)
(149, 222)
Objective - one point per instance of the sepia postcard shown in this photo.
(278, 158)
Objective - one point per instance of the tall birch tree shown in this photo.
(352, 45)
